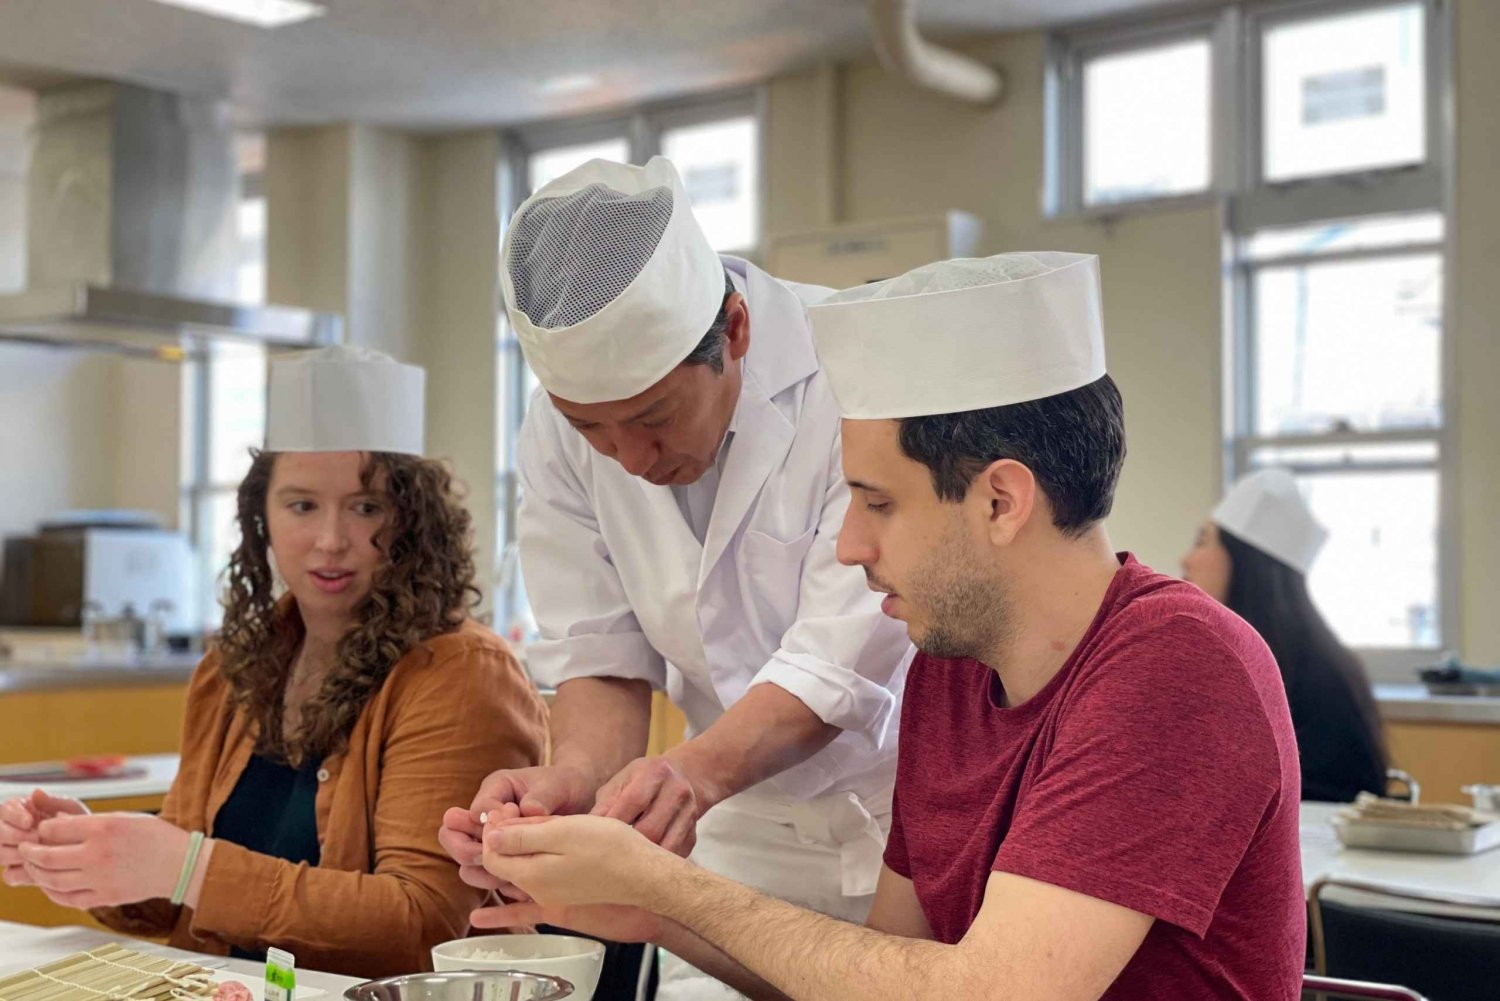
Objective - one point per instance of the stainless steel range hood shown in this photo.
(132, 247)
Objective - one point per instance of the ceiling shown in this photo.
(450, 63)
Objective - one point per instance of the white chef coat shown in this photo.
(620, 586)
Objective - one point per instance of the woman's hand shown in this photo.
(105, 859)
(19, 818)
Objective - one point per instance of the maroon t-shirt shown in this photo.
(1157, 770)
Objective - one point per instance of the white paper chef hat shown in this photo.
(344, 399)
(609, 280)
(965, 334)
(1266, 510)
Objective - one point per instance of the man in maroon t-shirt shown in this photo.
(1097, 793)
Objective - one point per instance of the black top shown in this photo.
(1340, 756)
(272, 811)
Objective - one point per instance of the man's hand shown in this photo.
(575, 860)
(506, 795)
(656, 797)
(543, 791)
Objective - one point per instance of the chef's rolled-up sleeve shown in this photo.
(585, 625)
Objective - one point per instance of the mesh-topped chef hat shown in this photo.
(1266, 510)
(344, 399)
(965, 334)
(608, 279)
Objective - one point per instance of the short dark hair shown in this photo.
(1073, 443)
(710, 350)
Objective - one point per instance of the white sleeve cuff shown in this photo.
(838, 696)
(598, 655)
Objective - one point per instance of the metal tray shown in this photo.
(1401, 838)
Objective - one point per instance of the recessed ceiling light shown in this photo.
(568, 84)
(261, 13)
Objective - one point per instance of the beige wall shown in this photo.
(1476, 325)
(307, 217)
(383, 269)
(903, 152)
(457, 257)
(400, 233)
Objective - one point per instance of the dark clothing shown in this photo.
(272, 811)
(1341, 756)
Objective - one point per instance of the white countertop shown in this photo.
(1413, 703)
(161, 769)
(1323, 856)
(23, 947)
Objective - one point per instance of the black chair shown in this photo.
(1443, 956)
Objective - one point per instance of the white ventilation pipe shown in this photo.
(905, 52)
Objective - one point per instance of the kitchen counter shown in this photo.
(37, 675)
(1414, 704)
(158, 771)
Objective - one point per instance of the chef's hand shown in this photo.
(18, 821)
(608, 921)
(504, 795)
(575, 860)
(105, 859)
(655, 796)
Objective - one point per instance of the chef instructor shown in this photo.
(681, 500)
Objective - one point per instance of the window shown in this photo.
(1341, 382)
(227, 400)
(250, 278)
(546, 166)
(1131, 116)
(229, 404)
(718, 162)
(1344, 93)
(1161, 92)
(715, 146)
(1339, 284)
(1316, 121)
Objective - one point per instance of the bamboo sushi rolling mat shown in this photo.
(110, 973)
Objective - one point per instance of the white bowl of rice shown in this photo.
(577, 960)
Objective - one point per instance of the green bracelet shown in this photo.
(189, 863)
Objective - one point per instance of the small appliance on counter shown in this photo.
(1454, 678)
(92, 568)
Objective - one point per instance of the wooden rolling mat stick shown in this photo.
(109, 973)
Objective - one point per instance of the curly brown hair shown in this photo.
(423, 587)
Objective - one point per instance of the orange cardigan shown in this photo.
(384, 892)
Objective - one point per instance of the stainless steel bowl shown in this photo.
(464, 985)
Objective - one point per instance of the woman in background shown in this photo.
(1253, 555)
(332, 724)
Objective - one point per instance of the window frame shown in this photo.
(642, 128)
(1262, 18)
(1250, 204)
(1361, 194)
(1067, 54)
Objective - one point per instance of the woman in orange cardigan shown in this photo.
(329, 729)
